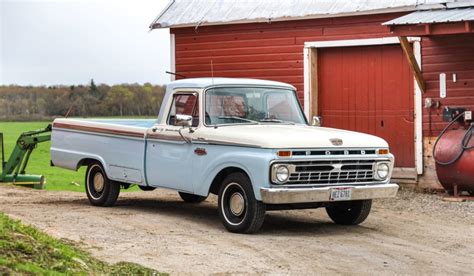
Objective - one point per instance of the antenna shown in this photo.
(212, 71)
(175, 74)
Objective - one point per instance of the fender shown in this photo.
(74, 159)
(253, 161)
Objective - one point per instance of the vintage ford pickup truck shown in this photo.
(247, 141)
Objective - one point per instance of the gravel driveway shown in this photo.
(415, 233)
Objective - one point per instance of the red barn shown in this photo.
(367, 66)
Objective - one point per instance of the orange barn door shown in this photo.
(369, 89)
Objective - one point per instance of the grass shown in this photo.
(56, 178)
(26, 250)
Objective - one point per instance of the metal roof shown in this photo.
(186, 13)
(434, 16)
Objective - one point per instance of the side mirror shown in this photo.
(183, 120)
(316, 121)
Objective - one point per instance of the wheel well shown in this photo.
(216, 183)
(87, 162)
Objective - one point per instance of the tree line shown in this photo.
(46, 102)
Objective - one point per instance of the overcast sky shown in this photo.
(71, 41)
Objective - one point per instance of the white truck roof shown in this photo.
(208, 82)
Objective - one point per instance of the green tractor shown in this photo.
(13, 170)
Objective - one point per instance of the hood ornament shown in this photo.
(336, 141)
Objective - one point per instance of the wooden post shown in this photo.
(313, 59)
(408, 50)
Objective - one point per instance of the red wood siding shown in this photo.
(275, 52)
(369, 89)
(447, 54)
(266, 51)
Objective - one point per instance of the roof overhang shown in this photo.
(196, 13)
(434, 22)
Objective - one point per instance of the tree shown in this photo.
(93, 88)
(119, 96)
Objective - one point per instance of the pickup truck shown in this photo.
(246, 141)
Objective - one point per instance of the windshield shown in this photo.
(252, 105)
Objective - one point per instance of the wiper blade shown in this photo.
(238, 118)
(276, 121)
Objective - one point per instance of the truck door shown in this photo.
(168, 156)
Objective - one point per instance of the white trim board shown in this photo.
(357, 42)
(371, 42)
(418, 114)
(307, 70)
(172, 56)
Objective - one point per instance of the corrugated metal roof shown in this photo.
(434, 16)
(184, 13)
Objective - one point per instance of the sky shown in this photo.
(50, 42)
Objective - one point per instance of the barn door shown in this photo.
(369, 89)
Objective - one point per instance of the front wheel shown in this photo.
(349, 212)
(101, 191)
(240, 212)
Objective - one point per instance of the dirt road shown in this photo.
(411, 234)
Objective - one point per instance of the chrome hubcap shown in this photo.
(98, 182)
(237, 204)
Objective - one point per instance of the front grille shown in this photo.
(332, 172)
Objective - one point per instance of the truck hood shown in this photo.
(287, 136)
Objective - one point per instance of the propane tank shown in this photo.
(454, 156)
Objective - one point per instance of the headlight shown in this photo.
(280, 173)
(382, 171)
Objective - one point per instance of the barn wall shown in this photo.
(447, 54)
(262, 50)
(275, 52)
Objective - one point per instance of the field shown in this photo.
(56, 178)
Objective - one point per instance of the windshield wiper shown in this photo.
(269, 120)
(238, 118)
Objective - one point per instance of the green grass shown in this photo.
(56, 178)
(26, 250)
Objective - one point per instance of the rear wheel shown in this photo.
(190, 198)
(240, 212)
(101, 191)
(349, 212)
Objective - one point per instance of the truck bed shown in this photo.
(118, 143)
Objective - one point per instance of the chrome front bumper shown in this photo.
(322, 194)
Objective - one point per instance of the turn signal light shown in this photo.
(284, 153)
(383, 151)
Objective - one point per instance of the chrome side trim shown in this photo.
(200, 140)
(102, 130)
(322, 194)
(118, 136)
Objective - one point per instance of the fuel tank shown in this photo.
(461, 172)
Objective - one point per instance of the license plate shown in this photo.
(341, 194)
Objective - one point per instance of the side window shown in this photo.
(184, 104)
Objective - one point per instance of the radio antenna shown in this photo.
(175, 74)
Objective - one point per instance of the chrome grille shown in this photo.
(332, 172)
